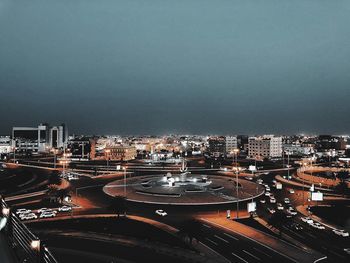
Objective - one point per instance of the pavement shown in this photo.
(6, 254)
(291, 252)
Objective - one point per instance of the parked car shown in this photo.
(291, 191)
(23, 211)
(161, 212)
(47, 214)
(341, 232)
(263, 201)
(286, 200)
(65, 208)
(272, 200)
(260, 181)
(267, 193)
(28, 216)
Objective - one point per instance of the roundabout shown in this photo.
(184, 189)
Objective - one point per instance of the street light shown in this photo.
(124, 168)
(235, 151)
(107, 157)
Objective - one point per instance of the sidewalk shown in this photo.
(279, 246)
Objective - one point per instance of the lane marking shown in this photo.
(206, 226)
(221, 239)
(213, 242)
(228, 235)
(250, 254)
(262, 252)
(239, 257)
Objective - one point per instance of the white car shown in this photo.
(341, 232)
(280, 206)
(267, 188)
(42, 210)
(307, 220)
(271, 210)
(347, 251)
(291, 211)
(317, 225)
(267, 193)
(23, 211)
(161, 212)
(65, 208)
(291, 191)
(47, 214)
(286, 200)
(28, 216)
(263, 201)
(260, 181)
(272, 200)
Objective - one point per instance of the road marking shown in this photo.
(235, 238)
(206, 226)
(262, 252)
(250, 254)
(211, 241)
(221, 238)
(239, 257)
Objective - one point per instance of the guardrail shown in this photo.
(26, 245)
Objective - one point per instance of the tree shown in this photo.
(192, 228)
(119, 204)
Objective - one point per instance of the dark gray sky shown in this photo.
(185, 66)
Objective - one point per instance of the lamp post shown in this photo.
(288, 153)
(235, 151)
(14, 154)
(107, 157)
(124, 168)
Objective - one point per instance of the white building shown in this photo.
(298, 149)
(267, 146)
(231, 143)
(5, 144)
(39, 139)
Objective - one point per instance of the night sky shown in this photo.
(184, 66)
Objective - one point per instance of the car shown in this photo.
(317, 225)
(274, 181)
(272, 200)
(47, 214)
(42, 210)
(161, 212)
(296, 226)
(263, 201)
(260, 181)
(347, 250)
(271, 210)
(65, 208)
(307, 220)
(280, 206)
(267, 188)
(267, 193)
(291, 191)
(249, 178)
(286, 200)
(291, 211)
(23, 211)
(28, 216)
(341, 232)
